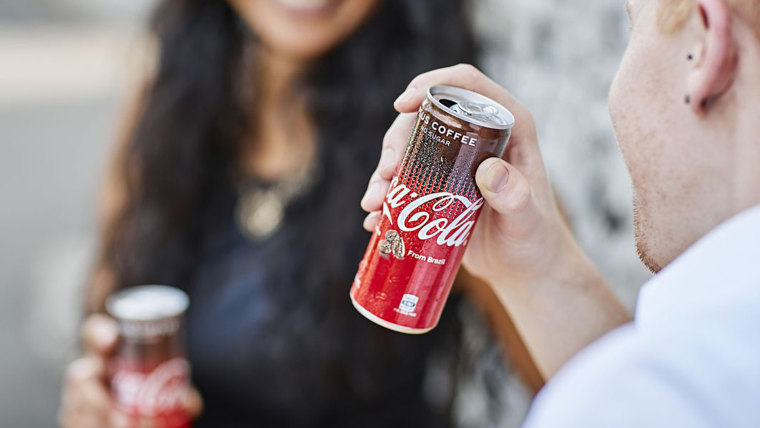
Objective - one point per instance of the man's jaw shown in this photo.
(641, 241)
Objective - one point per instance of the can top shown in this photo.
(471, 107)
(147, 303)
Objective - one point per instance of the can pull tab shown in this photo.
(484, 112)
(471, 108)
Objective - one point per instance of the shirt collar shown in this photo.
(722, 268)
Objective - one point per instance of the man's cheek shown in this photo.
(620, 98)
(615, 109)
(623, 121)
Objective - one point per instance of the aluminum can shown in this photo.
(149, 373)
(430, 210)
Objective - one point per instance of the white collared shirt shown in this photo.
(690, 359)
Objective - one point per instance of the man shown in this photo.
(686, 110)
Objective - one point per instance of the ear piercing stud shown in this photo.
(687, 98)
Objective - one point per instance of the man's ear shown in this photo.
(715, 60)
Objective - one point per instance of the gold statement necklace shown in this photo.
(261, 206)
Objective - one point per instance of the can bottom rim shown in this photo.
(389, 325)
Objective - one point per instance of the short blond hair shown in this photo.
(673, 13)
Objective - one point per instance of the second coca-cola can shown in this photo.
(150, 375)
(430, 210)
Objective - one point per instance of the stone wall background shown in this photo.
(57, 118)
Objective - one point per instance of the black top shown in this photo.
(274, 341)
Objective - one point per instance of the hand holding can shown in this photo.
(521, 235)
(86, 400)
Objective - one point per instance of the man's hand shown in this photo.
(521, 246)
(520, 232)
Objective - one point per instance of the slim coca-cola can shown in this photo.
(149, 373)
(430, 210)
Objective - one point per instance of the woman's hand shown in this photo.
(86, 400)
(521, 246)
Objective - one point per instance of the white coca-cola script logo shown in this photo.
(152, 394)
(414, 218)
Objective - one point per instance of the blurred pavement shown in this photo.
(63, 70)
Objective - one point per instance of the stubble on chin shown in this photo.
(640, 236)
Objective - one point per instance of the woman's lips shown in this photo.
(306, 6)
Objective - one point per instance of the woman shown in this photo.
(239, 182)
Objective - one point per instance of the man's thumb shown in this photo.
(508, 193)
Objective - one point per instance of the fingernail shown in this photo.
(370, 190)
(106, 332)
(496, 177)
(387, 160)
(404, 97)
(193, 402)
(371, 218)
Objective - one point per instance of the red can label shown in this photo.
(152, 395)
(428, 214)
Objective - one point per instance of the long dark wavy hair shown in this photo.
(192, 127)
